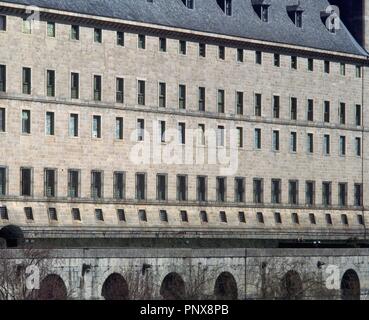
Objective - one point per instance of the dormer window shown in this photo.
(298, 19)
(226, 6)
(295, 13)
(261, 7)
(189, 3)
(264, 13)
(331, 20)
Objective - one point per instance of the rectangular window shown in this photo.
(163, 216)
(141, 92)
(242, 217)
(310, 143)
(276, 106)
(74, 34)
(26, 26)
(182, 47)
(142, 215)
(275, 140)
(358, 115)
(182, 97)
(358, 147)
(342, 113)
(50, 183)
(327, 144)
(327, 111)
(258, 191)
(26, 121)
(50, 124)
(182, 133)
(293, 145)
(51, 29)
(201, 189)
(223, 217)
(358, 195)
(277, 60)
(50, 83)
(29, 213)
(358, 71)
(276, 191)
(141, 41)
(327, 194)
(27, 81)
(97, 35)
(310, 193)
(2, 120)
(181, 187)
(342, 145)
(53, 216)
(162, 95)
(96, 184)
(162, 129)
(221, 52)
(184, 216)
(119, 128)
(239, 190)
(257, 139)
(73, 183)
(327, 67)
(293, 192)
(73, 125)
(96, 127)
(74, 85)
(2, 23)
(312, 218)
(2, 78)
(260, 217)
(239, 103)
(76, 214)
(277, 217)
(3, 181)
(221, 189)
(119, 185)
(310, 111)
(140, 186)
(162, 44)
(295, 218)
(220, 136)
(294, 62)
(240, 137)
(161, 187)
(258, 57)
(221, 101)
(204, 217)
(26, 182)
(121, 215)
(240, 55)
(293, 108)
(328, 219)
(342, 69)
(202, 50)
(99, 215)
(97, 88)
(201, 140)
(257, 102)
(202, 99)
(310, 64)
(342, 194)
(120, 38)
(119, 90)
(140, 129)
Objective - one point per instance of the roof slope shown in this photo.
(208, 17)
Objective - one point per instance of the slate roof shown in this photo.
(207, 16)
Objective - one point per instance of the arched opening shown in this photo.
(350, 286)
(226, 287)
(173, 287)
(52, 287)
(292, 288)
(13, 236)
(115, 287)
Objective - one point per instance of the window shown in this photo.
(223, 217)
(260, 217)
(276, 106)
(240, 54)
(51, 29)
(119, 128)
(3, 181)
(258, 191)
(358, 195)
(342, 145)
(141, 186)
(99, 215)
(96, 184)
(221, 52)
(295, 218)
(358, 71)
(50, 183)
(360, 219)
(2, 78)
(239, 190)
(73, 125)
(258, 57)
(310, 193)
(358, 115)
(239, 103)
(73, 183)
(2, 23)
(182, 47)
(344, 219)
(241, 217)
(97, 88)
(310, 64)
(181, 187)
(221, 101)
(328, 219)
(201, 188)
(121, 215)
(26, 26)
(358, 147)
(162, 45)
(50, 82)
(50, 124)
(327, 194)
(327, 113)
(27, 81)
(141, 92)
(74, 85)
(220, 136)
(119, 90)
(2, 120)
(293, 192)
(182, 97)
(4, 213)
(26, 121)
(312, 218)
(161, 187)
(162, 95)
(184, 216)
(276, 191)
(342, 113)
(327, 144)
(76, 215)
(29, 213)
(140, 129)
(257, 101)
(142, 215)
(327, 67)
(74, 32)
(204, 217)
(264, 13)
(201, 140)
(277, 60)
(310, 143)
(228, 7)
(257, 138)
(26, 182)
(240, 137)
(202, 99)
(96, 127)
(277, 218)
(120, 38)
(342, 69)
(294, 62)
(141, 41)
(163, 216)
(293, 143)
(275, 140)
(310, 111)
(293, 108)
(202, 50)
(182, 133)
(221, 189)
(119, 185)
(342, 194)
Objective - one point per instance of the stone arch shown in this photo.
(350, 286)
(52, 287)
(292, 286)
(173, 287)
(226, 287)
(13, 235)
(115, 287)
